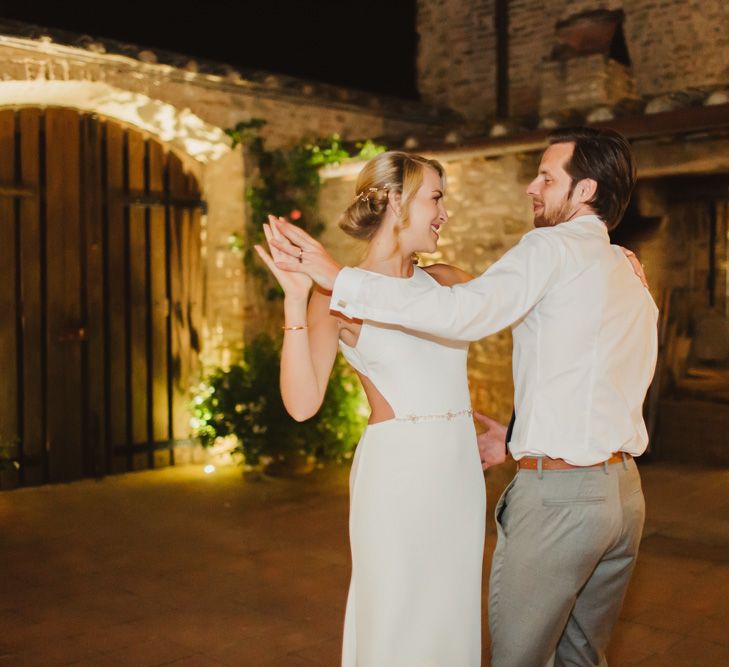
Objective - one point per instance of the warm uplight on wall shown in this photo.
(180, 128)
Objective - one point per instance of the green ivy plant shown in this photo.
(244, 401)
(287, 184)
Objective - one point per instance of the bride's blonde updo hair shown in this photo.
(392, 171)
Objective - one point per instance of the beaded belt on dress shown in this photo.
(447, 416)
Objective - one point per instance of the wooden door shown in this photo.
(100, 297)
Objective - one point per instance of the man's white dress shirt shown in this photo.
(584, 330)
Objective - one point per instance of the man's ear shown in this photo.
(394, 200)
(585, 190)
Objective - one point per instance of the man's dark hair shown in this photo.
(604, 156)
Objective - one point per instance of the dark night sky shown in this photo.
(368, 45)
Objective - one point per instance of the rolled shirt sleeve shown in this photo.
(496, 299)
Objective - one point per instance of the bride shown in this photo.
(417, 494)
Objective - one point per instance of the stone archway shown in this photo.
(180, 129)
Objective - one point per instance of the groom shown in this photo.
(584, 329)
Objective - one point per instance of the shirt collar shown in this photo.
(588, 222)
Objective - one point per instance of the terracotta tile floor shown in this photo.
(175, 567)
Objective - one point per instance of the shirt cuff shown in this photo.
(345, 292)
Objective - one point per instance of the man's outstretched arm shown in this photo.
(469, 311)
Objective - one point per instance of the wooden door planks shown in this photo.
(9, 426)
(31, 280)
(64, 336)
(100, 296)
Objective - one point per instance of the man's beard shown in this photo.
(551, 218)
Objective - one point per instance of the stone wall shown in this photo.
(678, 44)
(588, 82)
(455, 55)
(673, 45)
(225, 280)
(221, 101)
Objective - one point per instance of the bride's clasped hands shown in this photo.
(295, 284)
(296, 252)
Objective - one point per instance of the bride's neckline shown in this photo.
(389, 275)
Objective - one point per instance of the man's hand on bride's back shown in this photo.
(492, 442)
(637, 266)
(300, 253)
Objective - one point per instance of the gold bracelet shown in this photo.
(296, 328)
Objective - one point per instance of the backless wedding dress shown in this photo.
(417, 507)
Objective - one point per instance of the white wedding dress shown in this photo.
(417, 507)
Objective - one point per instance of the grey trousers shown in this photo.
(566, 548)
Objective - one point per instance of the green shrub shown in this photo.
(244, 401)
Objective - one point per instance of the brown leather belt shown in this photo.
(532, 462)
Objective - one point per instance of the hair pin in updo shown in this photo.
(365, 194)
